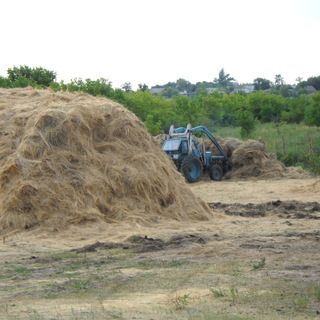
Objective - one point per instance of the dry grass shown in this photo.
(71, 158)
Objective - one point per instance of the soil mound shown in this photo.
(69, 158)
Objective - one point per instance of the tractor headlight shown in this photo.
(175, 156)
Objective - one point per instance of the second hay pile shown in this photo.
(250, 159)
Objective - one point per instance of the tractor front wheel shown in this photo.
(191, 168)
(215, 172)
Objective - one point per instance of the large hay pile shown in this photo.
(70, 158)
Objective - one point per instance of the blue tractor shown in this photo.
(191, 158)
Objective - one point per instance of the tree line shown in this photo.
(269, 101)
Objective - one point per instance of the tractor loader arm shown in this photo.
(212, 138)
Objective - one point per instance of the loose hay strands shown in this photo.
(70, 158)
(251, 159)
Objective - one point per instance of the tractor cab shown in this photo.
(190, 157)
(178, 149)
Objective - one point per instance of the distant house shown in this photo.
(210, 90)
(183, 93)
(243, 88)
(310, 89)
(156, 91)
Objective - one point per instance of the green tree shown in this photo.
(285, 90)
(143, 87)
(187, 110)
(5, 82)
(22, 82)
(99, 87)
(224, 80)
(127, 87)
(261, 84)
(143, 104)
(312, 115)
(43, 76)
(296, 108)
(255, 102)
(278, 81)
(312, 81)
(271, 111)
(154, 127)
(15, 72)
(212, 106)
(231, 104)
(183, 85)
(169, 92)
(40, 76)
(245, 120)
(266, 107)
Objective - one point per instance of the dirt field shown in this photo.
(258, 258)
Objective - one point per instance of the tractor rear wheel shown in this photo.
(191, 168)
(215, 172)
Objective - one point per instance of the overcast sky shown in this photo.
(155, 42)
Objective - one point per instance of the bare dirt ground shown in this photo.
(258, 258)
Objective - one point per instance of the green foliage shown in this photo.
(231, 104)
(313, 163)
(261, 84)
(143, 87)
(246, 122)
(212, 106)
(169, 92)
(278, 81)
(291, 158)
(233, 293)
(153, 127)
(99, 87)
(224, 80)
(266, 107)
(312, 81)
(260, 264)
(143, 103)
(181, 302)
(22, 82)
(312, 114)
(183, 85)
(5, 82)
(40, 76)
(187, 110)
(15, 72)
(218, 293)
(127, 87)
(256, 102)
(301, 303)
(296, 107)
(272, 111)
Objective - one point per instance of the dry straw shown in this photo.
(250, 159)
(70, 158)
